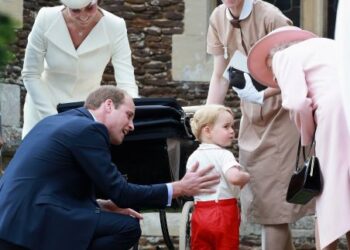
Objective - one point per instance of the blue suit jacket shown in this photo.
(47, 197)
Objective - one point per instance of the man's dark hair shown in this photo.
(97, 97)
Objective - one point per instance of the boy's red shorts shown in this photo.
(215, 225)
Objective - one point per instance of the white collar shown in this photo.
(246, 10)
(208, 146)
(93, 116)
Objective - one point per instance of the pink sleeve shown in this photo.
(291, 80)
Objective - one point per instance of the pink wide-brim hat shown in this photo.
(258, 55)
(77, 4)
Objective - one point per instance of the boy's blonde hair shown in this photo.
(206, 115)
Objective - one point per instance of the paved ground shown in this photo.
(250, 235)
(156, 243)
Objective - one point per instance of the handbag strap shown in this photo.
(298, 153)
(299, 147)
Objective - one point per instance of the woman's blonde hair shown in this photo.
(206, 115)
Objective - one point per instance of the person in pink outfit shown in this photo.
(216, 217)
(342, 38)
(304, 67)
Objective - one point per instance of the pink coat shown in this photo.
(307, 75)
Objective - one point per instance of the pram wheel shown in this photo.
(185, 226)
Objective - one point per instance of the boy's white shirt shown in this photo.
(223, 160)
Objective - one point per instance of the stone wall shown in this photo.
(10, 129)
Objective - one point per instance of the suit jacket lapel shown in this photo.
(58, 34)
(96, 39)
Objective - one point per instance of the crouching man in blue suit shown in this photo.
(47, 199)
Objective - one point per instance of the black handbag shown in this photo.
(306, 181)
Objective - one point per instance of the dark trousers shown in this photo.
(5, 245)
(115, 232)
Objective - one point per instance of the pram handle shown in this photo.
(191, 109)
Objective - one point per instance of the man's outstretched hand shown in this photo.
(110, 206)
(196, 182)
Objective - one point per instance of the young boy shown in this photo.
(216, 217)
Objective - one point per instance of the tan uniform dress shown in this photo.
(267, 137)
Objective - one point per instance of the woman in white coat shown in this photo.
(67, 52)
(304, 67)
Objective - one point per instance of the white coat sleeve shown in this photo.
(291, 80)
(121, 60)
(33, 67)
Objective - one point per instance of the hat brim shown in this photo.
(258, 55)
(76, 4)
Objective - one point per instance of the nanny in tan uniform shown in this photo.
(68, 49)
(267, 138)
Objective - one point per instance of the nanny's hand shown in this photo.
(110, 206)
(196, 182)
